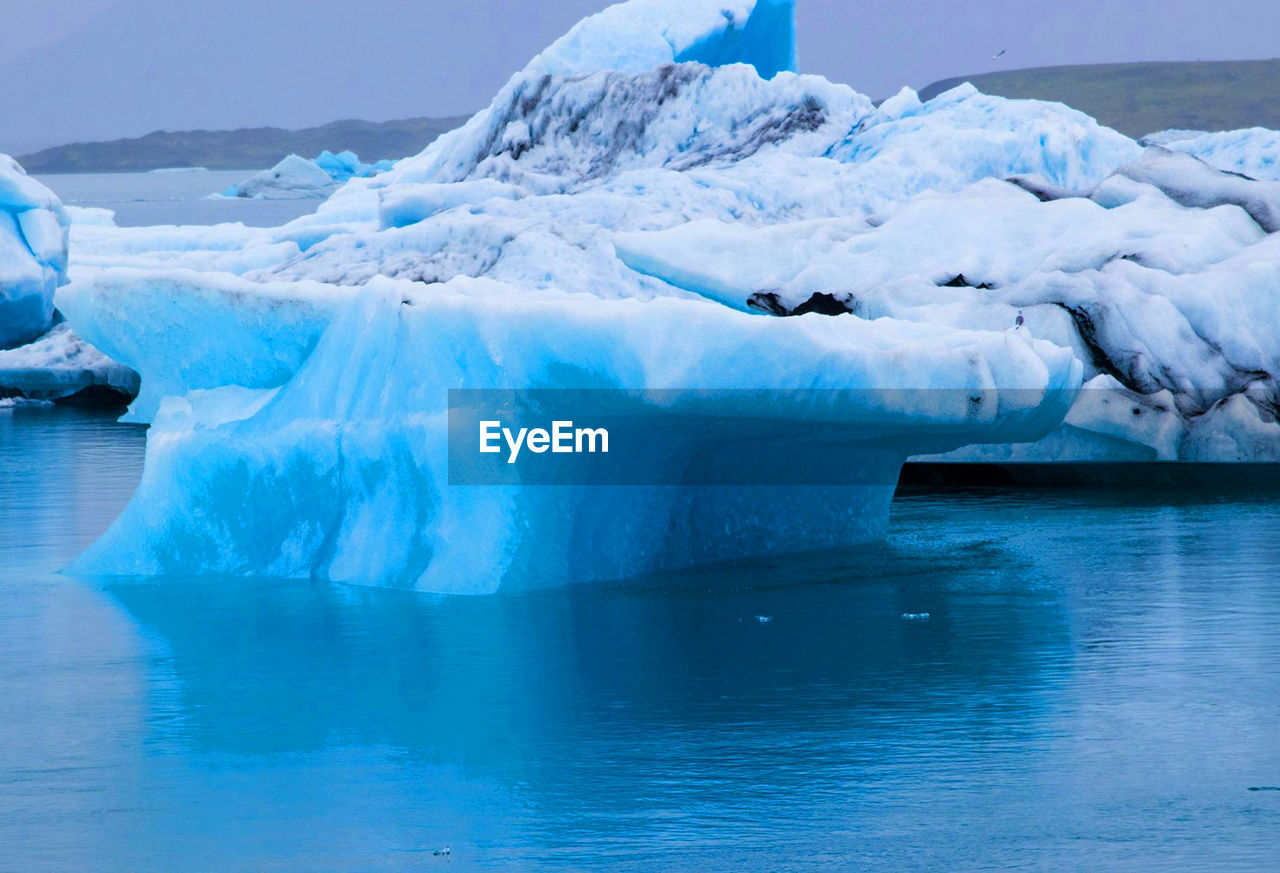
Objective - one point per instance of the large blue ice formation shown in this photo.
(633, 210)
(341, 473)
(33, 254)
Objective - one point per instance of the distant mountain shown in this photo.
(250, 148)
(1138, 99)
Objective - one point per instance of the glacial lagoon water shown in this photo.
(173, 197)
(1095, 688)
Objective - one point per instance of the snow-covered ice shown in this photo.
(1253, 152)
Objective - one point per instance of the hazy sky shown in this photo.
(93, 69)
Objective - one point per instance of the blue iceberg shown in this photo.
(33, 254)
(657, 203)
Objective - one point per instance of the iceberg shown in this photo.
(296, 177)
(33, 254)
(342, 472)
(1161, 280)
(658, 205)
(60, 365)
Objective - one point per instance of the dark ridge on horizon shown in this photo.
(1134, 98)
(1141, 98)
(245, 148)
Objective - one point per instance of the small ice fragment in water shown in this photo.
(915, 616)
(764, 619)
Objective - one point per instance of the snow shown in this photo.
(33, 254)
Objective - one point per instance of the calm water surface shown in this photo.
(1095, 689)
(140, 199)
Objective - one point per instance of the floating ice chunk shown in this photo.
(33, 254)
(296, 177)
(293, 178)
(915, 616)
(346, 462)
(91, 216)
(60, 364)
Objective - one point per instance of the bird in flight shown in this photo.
(998, 55)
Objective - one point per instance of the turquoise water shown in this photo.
(1095, 689)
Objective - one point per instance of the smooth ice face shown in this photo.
(643, 34)
(183, 331)
(341, 473)
(33, 254)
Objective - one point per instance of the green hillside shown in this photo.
(1138, 99)
(251, 148)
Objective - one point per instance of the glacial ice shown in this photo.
(296, 177)
(341, 472)
(1253, 152)
(60, 364)
(640, 35)
(188, 331)
(633, 210)
(33, 254)
(91, 216)
(1173, 309)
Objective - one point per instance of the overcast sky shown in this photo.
(93, 69)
